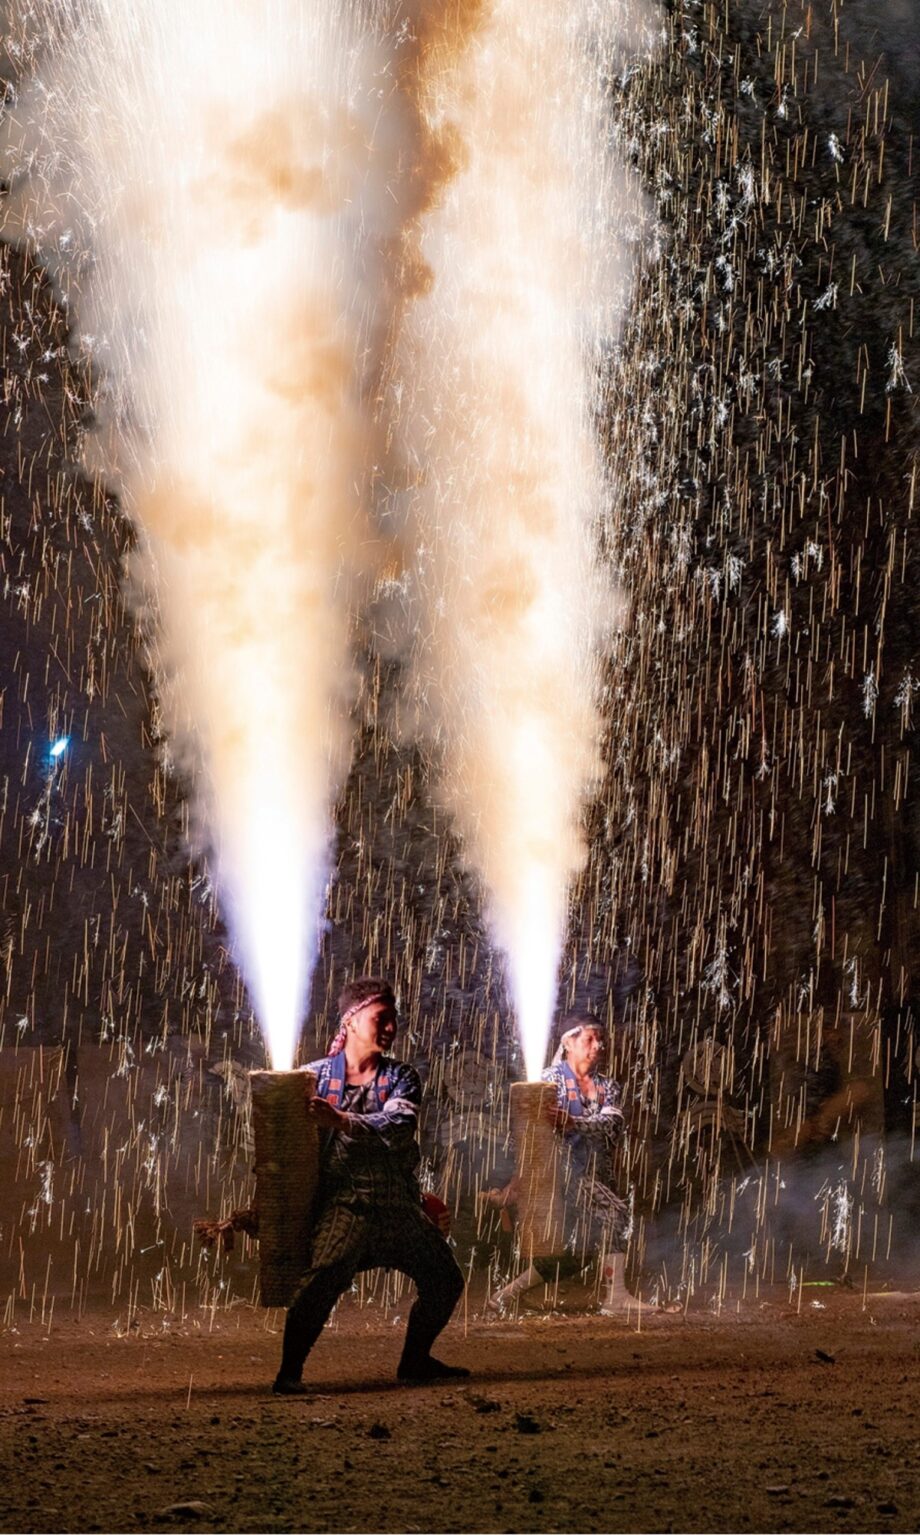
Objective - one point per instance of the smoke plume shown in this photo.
(521, 272)
(199, 177)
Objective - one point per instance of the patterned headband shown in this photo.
(378, 996)
(573, 1033)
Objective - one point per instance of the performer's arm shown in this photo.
(393, 1126)
(604, 1128)
(607, 1126)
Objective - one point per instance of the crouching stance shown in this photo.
(588, 1119)
(369, 1212)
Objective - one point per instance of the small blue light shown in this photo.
(60, 746)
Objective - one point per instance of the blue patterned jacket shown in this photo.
(599, 1124)
(596, 1215)
(376, 1160)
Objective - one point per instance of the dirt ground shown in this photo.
(765, 1418)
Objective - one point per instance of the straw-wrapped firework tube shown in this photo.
(540, 1208)
(287, 1170)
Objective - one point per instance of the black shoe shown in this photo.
(282, 1386)
(430, 1369)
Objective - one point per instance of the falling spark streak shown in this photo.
(216, 178)
(496, 383)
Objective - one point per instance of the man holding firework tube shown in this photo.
(369, 1211)
(588, 1119)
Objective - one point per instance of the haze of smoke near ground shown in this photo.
(493, 390)
(694, 914)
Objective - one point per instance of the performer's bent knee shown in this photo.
(449, 1280)
(334, 1278)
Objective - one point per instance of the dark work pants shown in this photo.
(348, 1239)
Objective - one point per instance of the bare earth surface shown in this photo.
(764, 1419)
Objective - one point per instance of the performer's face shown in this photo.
(374, 1027)
(585, 1051)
